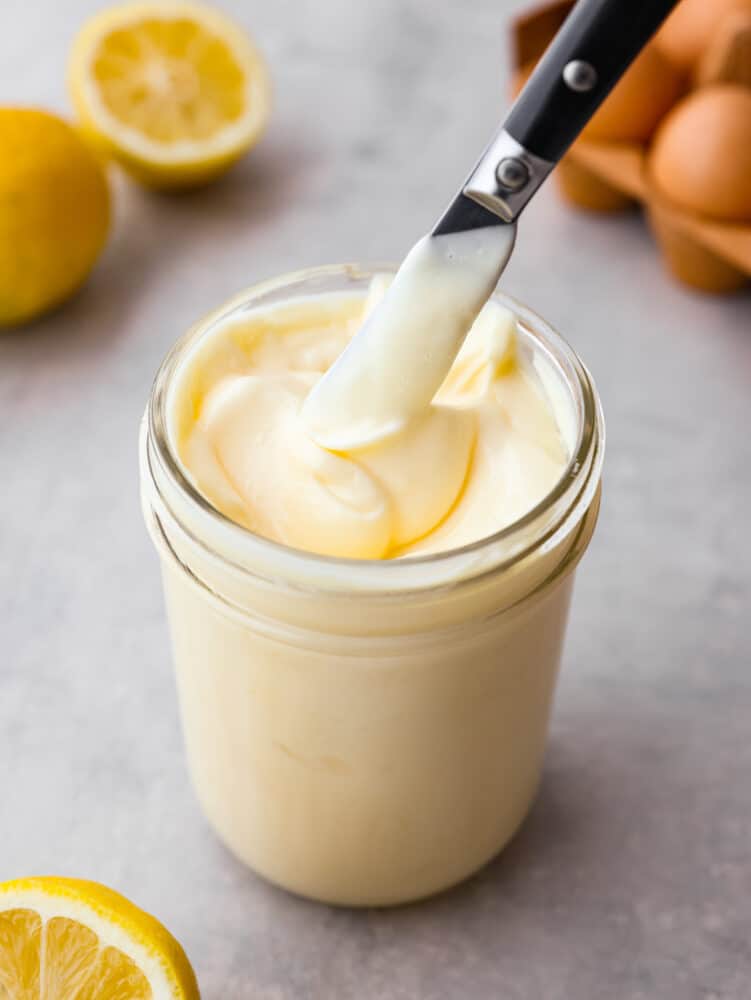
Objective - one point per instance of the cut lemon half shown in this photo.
(64, 939)
(173, 90)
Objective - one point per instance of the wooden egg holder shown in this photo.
(611, 176)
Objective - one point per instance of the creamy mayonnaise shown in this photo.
(392, 370)
(370, 732)
(456, 466)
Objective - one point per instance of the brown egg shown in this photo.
(727, 58)
(686, 33)
(701, 156)
(643, 95)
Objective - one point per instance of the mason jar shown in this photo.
(368, 732)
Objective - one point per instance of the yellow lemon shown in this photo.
(64, 938)
(54, 212)
(173, 90)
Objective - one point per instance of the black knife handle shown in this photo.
(593, 48)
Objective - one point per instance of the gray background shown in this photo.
(631, 878)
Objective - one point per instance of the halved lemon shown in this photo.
(173, 90)
(65, 939)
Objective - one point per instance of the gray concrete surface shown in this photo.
(632, 878)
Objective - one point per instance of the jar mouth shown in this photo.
(247, 551)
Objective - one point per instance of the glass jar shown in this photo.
(368, 732)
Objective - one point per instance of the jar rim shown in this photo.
(573, 491)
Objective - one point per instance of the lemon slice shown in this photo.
(64, 939)
(175, 91)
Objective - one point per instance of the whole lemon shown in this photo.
(54, 212)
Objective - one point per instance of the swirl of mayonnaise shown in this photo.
(482, 453)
